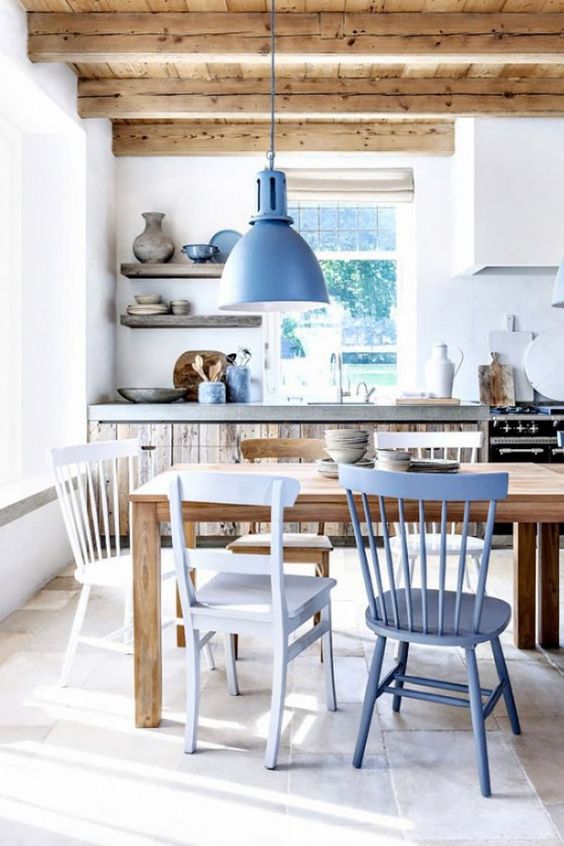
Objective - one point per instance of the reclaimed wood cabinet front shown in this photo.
(164, 444)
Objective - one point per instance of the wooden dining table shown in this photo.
(534, 505)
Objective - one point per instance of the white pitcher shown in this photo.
(440, 372)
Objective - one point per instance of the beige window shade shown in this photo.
(390, 185)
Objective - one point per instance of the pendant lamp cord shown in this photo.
(271, 152)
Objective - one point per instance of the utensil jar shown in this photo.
(440, 372)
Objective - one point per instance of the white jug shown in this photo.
(440, 372)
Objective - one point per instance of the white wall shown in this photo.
(199, 197)
(65, 204)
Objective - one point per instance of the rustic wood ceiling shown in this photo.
(190, 77)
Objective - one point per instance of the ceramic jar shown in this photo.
(211, 393)
(238, 381)
(440, 372)
(152, 245)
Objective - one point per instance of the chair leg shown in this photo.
(327, 641)
(403, 655)
(192, 692)
(478, 722)
(230, 668)
(369, 700)
(279, 674)
(503, 674)
(208, 655)
(76, 628)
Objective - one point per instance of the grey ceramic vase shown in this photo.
(153, 245)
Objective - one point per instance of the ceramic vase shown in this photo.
(152, 245)
(238, 382)
(440, 372)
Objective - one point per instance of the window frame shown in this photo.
(272, 381)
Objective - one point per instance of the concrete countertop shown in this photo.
(260, 413)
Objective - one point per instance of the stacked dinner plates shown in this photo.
(434, 465)
(330, 469)
(397, 460)
(346, 446)
(147, 304)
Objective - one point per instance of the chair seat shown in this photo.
(292, 540)
(496, 615)
(474, 546)
(249, 596)
(118, 571)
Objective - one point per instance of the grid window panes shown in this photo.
(356, 246)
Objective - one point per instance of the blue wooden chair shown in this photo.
(432, 614)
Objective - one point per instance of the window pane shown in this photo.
(328, 240)
(386, 229)
(328, 217)
(308, 218)
(347, 241)
(368, 217)
(347, 217)
(312, 238)
(367, 240)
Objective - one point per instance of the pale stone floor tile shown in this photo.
(326, 786)
(538, 687)
(436, 786)
(540, 748)
(556, 812)
(49, 600)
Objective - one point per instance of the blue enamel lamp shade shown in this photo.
(272, 268)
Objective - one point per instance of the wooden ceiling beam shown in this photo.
(316, 36)
(343, 98)
(196, 138)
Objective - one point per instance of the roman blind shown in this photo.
(389, 185)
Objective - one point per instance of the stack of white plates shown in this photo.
(346, 446)
(147, 304)
(434, 465)
(330, 469)
(397, 460)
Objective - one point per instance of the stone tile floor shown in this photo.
(74, 770)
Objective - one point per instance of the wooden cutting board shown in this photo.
(184, 376)
(496, 383)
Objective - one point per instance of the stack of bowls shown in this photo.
(397, 460)
(346, 446)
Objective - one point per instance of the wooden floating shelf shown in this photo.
(172, 271)
(182, 321)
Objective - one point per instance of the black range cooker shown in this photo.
(526, 433)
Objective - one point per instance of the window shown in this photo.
(10, 298)
(357, 246)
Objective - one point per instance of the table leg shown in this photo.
(147, 614)
(549, 584)
(524, 585)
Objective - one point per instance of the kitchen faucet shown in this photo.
(336, 366)
(367, 393)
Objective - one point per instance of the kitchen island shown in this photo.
(189, 433)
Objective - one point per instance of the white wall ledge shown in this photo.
(23, 496)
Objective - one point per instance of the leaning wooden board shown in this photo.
(184, 376)
(497, 387)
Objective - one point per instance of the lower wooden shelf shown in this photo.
(189, 321)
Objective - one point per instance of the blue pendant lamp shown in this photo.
(272, 268)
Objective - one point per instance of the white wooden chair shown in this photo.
(249, 593)
(460, 446)
(87, 480)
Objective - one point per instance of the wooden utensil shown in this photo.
(198, 366)
(497, 386)
(215, 371)
(185, 377)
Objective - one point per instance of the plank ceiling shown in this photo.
(191, 76)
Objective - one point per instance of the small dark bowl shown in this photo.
(200, 253)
